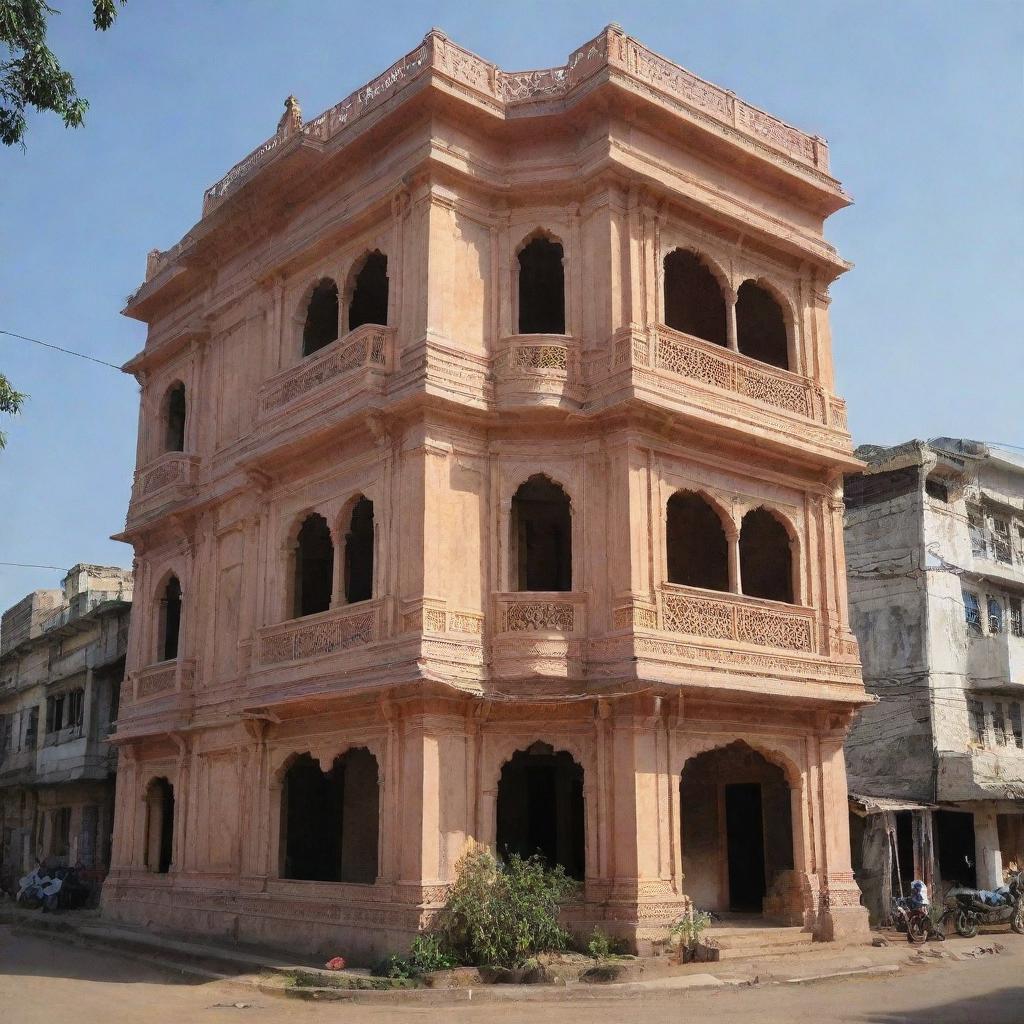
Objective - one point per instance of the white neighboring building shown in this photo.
(935, 557)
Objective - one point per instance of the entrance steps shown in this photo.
(733, 942)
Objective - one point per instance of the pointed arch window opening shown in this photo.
(766, 558)
(541, 287)
(170, 621)
(359, 545)
(368, 302)
(175, 413)
(761, 329)
(694, 302)
(541, 524)
(321, 324)
(313, 568)
(696, 543)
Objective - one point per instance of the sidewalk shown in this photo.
(274, 973)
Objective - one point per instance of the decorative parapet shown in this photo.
(326, 633)
(554, 612)
(545, 365)
(163, 678)
(719, 367)
(518, 92)
(370, 347)
(170, 468)
(716, 616)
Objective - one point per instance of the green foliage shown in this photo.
(602, 946)
(500, 914)
(30, 74)
(426, 955)
(686, 932)
(10, 400)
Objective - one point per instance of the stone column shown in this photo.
(732, 538)
(731, 334)
(987, 856)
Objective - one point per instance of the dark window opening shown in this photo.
(698, 552)
(170, 616)
(60, 840)
(359, 553)
(321, 326)
(972, 612)
(766, 562)
(540, 808)
(542, 536)
(760, 326)
(314, 567)
(995, 616)
(936, 489)
(159, 826)
(694, 303)
(736, 827)
(976, 720)
(541, 288)
(174, 419)
(369, 303)
(32, 729)
(902, 863)
(954, 832)
(1016, 619)
(329, 820)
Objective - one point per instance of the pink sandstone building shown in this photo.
(489, 488)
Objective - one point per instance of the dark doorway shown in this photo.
(540, 808)
(330, 820)
(174, 440)
(766, 562)
(760, 326)
(170, 626)
(698, 553)
(542, 536)
(314, 567)
(369, 303)
(159, 826)
(359, 553)
(541, 288)
(954, 833)
(744, 829)
(694, 303)
(903, 874)
(321, 326)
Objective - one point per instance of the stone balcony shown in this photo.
(355, 364)
(163, 679)
(538, 369)
(715, 384)
(538, 634)
(164, 482)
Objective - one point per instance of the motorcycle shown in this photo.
(968, 910)
(913, 920)
(39, 889)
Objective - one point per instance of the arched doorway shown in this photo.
(540, 808)
(159, 826)
(330, 820)
(736, 826)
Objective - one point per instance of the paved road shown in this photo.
(43, 981)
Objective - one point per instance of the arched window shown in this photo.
(698, 553)
(159, 826)
(321, 326)
(369, 302)
(359, 553)
(174, 418)
(314, 567)
(540, 808)
(170, 620)
(541, 536)
(330, 820)
(541, 288)
(766, 562)
(761, 326)
(694, 303)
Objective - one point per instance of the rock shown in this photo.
(880, 940)
(602, 974)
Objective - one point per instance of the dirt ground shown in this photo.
(43, 981)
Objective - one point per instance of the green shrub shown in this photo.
(425, 955)
(500, 914)
(602, 946)
(686, 932)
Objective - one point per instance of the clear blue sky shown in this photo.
(922, 104)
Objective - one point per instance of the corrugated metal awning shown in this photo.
(862, 803)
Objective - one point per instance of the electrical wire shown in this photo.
(34, 565)
(57, 348)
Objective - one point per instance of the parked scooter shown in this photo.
(968, 909)
(39, 889)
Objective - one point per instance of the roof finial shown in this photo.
(291, 119)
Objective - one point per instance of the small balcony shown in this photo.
(166, 480)
(332, 375)
(538, 369)
(539, 634)
(315, 636)
(163, 679)
(695, 376)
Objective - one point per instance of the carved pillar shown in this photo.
(574, 317)
(731, 335)
(732, 538)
